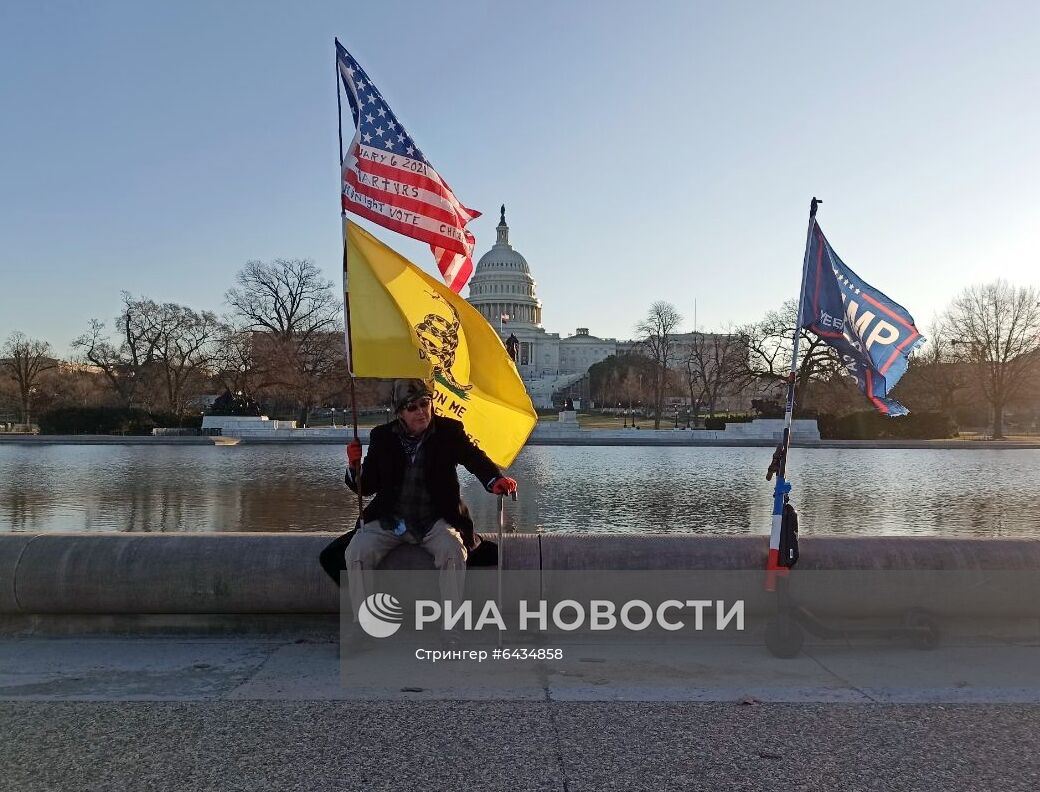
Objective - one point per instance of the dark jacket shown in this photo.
(447, 447)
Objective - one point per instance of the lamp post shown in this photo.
(333, 417)
(973, 345)
(27, 416)
(640, 401)
(677, 416)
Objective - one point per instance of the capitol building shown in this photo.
(503, 290)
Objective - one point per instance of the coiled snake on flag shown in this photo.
(439, 341)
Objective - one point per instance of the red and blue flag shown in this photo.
(386, 179)
(873, 335)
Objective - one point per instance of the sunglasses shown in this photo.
(418, 404)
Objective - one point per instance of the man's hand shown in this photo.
(503, 486)
(354, 453)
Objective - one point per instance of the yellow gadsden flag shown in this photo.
(403, 323)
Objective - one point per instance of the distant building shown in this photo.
(552, 368)
(581, 350)
(503, 290)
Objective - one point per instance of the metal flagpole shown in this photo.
(348, 346)
(501, 555)
(779, 463)
(501, 525)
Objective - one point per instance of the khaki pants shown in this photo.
(371, 544)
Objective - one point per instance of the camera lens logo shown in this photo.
(380, 615)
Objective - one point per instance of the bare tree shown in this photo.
(24, 360)
(770, 346)
(128, 362)
(184, 349)
(935, 374)
(286, 297)
(656, 334)
(633, 390)
(715, 364)
(99, 350)
(297, 317)
(996, 328)
(235, 359)
(158, 350)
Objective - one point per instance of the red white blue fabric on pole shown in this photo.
(386, 179)
(874, 337)
(775, 565)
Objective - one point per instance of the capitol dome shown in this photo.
(502, 284)
(502, 256)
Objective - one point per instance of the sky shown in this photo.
(667, 151)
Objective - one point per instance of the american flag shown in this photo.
(386, 179)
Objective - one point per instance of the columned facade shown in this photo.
(503, 290)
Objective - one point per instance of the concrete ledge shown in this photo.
(916, 553)
(728, 553)
(230, 573)
(176, 578)
(652, 551)
(172, 573)
(522, 551)
(11, 548)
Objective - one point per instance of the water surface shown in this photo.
(953, 492)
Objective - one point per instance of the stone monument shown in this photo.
(239, 415)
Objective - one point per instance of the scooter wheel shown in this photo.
(924, 632)
(784, 638)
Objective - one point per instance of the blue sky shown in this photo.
(665, 152)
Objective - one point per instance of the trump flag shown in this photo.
(872, 334)
(403, 323)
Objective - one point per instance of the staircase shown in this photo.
(541, 390)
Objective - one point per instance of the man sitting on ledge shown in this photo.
(410, 468)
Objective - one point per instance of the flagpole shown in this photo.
(792, 377)
(782, 488)
(348, 345)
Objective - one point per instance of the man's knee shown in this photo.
(365, 549)
(448, 550)
(453, 556)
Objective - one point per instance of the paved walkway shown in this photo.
(565, 747)
(283, 669)
(274, 714)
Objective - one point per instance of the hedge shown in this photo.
(719, 422)
(110, 420)
(871, 425)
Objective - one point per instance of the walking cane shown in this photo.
(501, 528)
